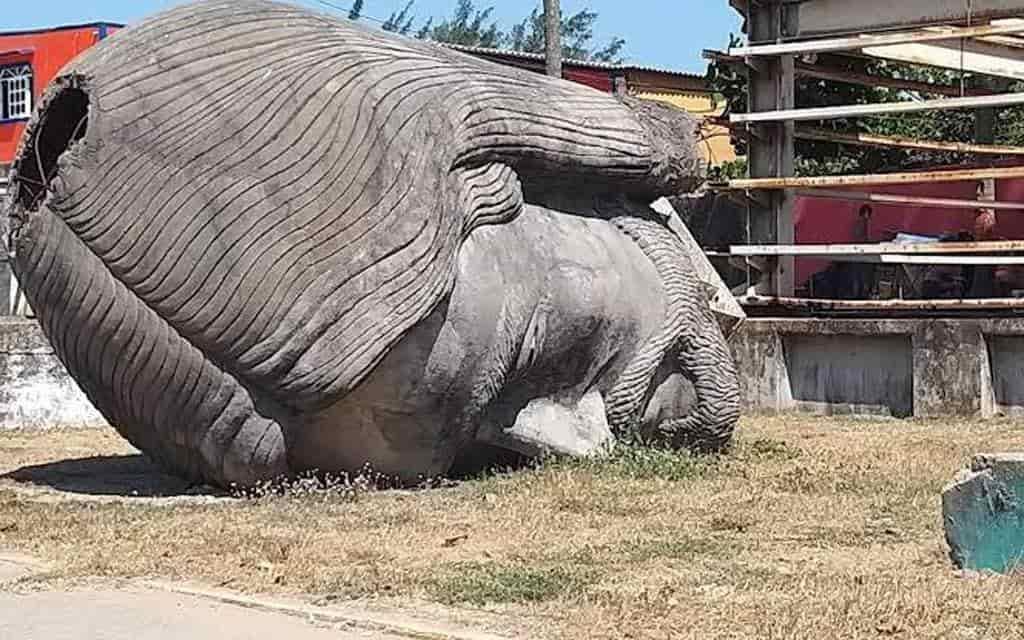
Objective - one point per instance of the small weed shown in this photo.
(767, 449)
(633, 462)
(731, 522)
(666, 549)
(494, 583)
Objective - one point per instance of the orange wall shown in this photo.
(50, 51)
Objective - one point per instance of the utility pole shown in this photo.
(553, 37)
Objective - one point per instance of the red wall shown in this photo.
(47, 52)
(823, 221)
(595, 78)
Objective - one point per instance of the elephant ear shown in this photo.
(288, 193)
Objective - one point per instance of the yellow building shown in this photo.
(690, 93)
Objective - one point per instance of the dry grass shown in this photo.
(810, 529)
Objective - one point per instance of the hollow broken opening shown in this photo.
(60, 124)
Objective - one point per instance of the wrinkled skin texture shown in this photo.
(265, 241)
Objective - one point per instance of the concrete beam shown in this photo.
(833, 17)
(772, 146)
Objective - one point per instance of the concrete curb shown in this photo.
(394, 624)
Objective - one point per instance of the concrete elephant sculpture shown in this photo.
(264, 240)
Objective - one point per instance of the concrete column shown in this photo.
(771, 154)
(950, 369)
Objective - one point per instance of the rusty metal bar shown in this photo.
(901, 200)
(984, 261)
(881, 248)
(881, 108)
(879, 179)
(810, 304)
(863, 79)
(868, 140)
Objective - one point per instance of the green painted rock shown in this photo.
(983, 514)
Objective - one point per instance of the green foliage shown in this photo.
(824, 158)
(400, 21)
(468, 26)
(640, 462)
(729, 170)
(497, 583)
(356, 11)
(471, 25)
(577, 36)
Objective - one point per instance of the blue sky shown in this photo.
(666, 33)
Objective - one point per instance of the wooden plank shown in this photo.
(882, 108)
(901, 200)
(825, 45)
(876, 249)
(879, 179)
(869, 140)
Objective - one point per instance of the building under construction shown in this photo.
(894, 293)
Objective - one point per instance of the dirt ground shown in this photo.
(810, 528)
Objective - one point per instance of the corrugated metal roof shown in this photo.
(588, 64)
(67, 27)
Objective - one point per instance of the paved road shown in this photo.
(150, 615)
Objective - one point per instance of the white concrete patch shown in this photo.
(35, 390)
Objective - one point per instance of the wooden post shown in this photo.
(553, 37)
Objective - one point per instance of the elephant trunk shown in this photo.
(706, 362)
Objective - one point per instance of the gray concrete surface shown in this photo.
(163, 610)
(151, 615)
(925, 368)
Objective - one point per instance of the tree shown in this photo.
(468, 26)
(577, 37)
(356, 11)
(473, 26)
(400, 21)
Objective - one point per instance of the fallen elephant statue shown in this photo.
(265, 241)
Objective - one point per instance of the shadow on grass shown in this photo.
(128, 475)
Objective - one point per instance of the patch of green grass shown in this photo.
(767, 449)
(499, 583)
(666, 549)
(635, 462)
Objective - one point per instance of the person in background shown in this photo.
(861, 275)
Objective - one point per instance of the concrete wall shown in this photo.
(35, 390)
(900, 368)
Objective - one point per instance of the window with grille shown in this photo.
(15, 92)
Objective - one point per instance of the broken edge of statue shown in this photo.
(265, 241)
(983, 514)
